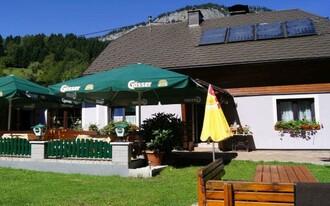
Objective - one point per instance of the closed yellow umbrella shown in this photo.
(215, 125)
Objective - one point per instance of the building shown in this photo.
(274, 64)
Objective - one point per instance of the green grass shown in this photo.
(174, 186)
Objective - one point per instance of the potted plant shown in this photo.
(161, 125)
(109, 129)
(93, 127)
(246, 130)
(130, 130)
(157, 147)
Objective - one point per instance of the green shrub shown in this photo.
(163, 122)
(162, 142)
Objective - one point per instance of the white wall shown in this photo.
(259, 112)
(98, 114)
(94, 114)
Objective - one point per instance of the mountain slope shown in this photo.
(209, 11)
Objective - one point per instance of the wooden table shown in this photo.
(284, 174)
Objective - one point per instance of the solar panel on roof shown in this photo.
(270, 30)
(241, 33)
(301, 27)
(213, 36)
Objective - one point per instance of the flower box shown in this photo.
(297, 125)
(298, 128)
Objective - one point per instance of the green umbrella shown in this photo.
(17, 92)
(136, 84)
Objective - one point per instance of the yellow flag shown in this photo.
(215, 125)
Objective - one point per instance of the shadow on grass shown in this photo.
(181, 159)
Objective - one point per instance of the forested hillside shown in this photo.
(50, 59)
(47, 59)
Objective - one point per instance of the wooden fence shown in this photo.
(15, 146)
(82, 148)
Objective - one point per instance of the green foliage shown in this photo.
(163, 122)
(2, 49)
(93, 127)
(163, 141)
(49, 59)
(15, 71)
(297, 125)
(111, 126)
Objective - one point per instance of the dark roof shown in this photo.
(175, 46)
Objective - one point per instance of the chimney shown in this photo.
(195, 17)
(238, 9)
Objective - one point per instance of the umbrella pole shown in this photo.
(139, 100)
(139, 123)
(213, 151)
(9, 115)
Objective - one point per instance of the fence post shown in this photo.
(38, 150)
(121, 152)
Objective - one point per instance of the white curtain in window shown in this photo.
(118, 118)
(131, 119)
(305, 111)
(286, 111)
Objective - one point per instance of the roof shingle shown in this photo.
(176, 45)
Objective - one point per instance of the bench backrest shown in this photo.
(65, 134)
(237, 193)
(213, 171)
(71, 134)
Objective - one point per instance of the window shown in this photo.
(124, 113)
(295, 109)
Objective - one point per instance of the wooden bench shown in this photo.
(29, 135)
(213, 191)
(72, 134)
(66, 134)
(238, 193)
(214, 170)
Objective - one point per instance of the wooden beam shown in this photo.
(276, 90)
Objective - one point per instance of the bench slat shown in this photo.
(291, 174)
(215, 175)
(308, 175)
(266, 176)
(239, 203)
(215, 203)
(264, 196)
(283, 175)
(210, 167)
(258, 174)
(251, 186)
(207, 169)
(275, 177)
(300, 174)
(213, 194)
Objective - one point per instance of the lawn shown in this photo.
(174, 186)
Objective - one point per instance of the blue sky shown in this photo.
(30, 17)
